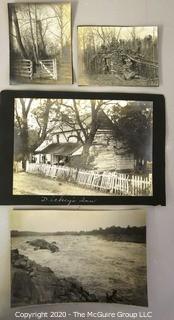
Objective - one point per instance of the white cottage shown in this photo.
(61, 146)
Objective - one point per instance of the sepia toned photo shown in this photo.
(82, 147)
(118, 56)
(78, 256)
(40, 43)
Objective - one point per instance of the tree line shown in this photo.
(113, 233)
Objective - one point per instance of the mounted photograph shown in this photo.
(78, 256)
(86, 147)
(82, 148)
(118, 56)
(40, 43)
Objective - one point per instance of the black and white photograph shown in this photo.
(40, 43)
(83, 147)
(118, 56)
(78, 256)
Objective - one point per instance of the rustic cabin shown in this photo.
(65, 148)
(108, 154)
(122, 64)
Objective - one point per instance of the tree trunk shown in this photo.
(61, 25)
(92, 133)
(17, 31)
(25, 151)
(36, 34)
(24, 164)
(60, 14)
(40, 35)
(32, 37)
(24, 131)
(85, 155)
(88, 144)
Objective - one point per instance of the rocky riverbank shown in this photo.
(33, 284)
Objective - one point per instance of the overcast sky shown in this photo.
(84, 106)
(122, 32)
(50, 21)
(74, 220)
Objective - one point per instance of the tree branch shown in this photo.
(29, 105)
(18, 118)
(56, 35)
(78, 119)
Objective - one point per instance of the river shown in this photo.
(100, 265)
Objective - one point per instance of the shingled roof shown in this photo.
(63, 149)
(104, 122)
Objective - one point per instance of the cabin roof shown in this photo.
(104, 122)
(63, 149)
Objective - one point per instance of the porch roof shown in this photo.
(62, 149)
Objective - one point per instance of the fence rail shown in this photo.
(49, 67)
(23, 68)
(109, 182)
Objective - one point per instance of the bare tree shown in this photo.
(33, 25)
(33, 36)
(41, 114)
(63, 23)
(83, 120)
(15, 31)
(22, 124)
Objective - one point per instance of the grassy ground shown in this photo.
(28, 184)
(112, 80)
(43, 81)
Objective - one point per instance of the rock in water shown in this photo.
(33, 284)
(43, 244)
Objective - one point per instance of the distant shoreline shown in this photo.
(128, 234)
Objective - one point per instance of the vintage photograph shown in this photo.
(78, 256)
(118, 56)
(40, 43)
(87, 147)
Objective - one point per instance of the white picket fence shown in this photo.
(114, 183)
(23, 68)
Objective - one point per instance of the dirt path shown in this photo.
(29, 184)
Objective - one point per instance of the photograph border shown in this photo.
(121, 26)
(129, 217)
(54, 82)
(7, 144)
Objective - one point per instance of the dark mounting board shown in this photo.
(7, 141)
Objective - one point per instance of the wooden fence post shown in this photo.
(115, 183)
